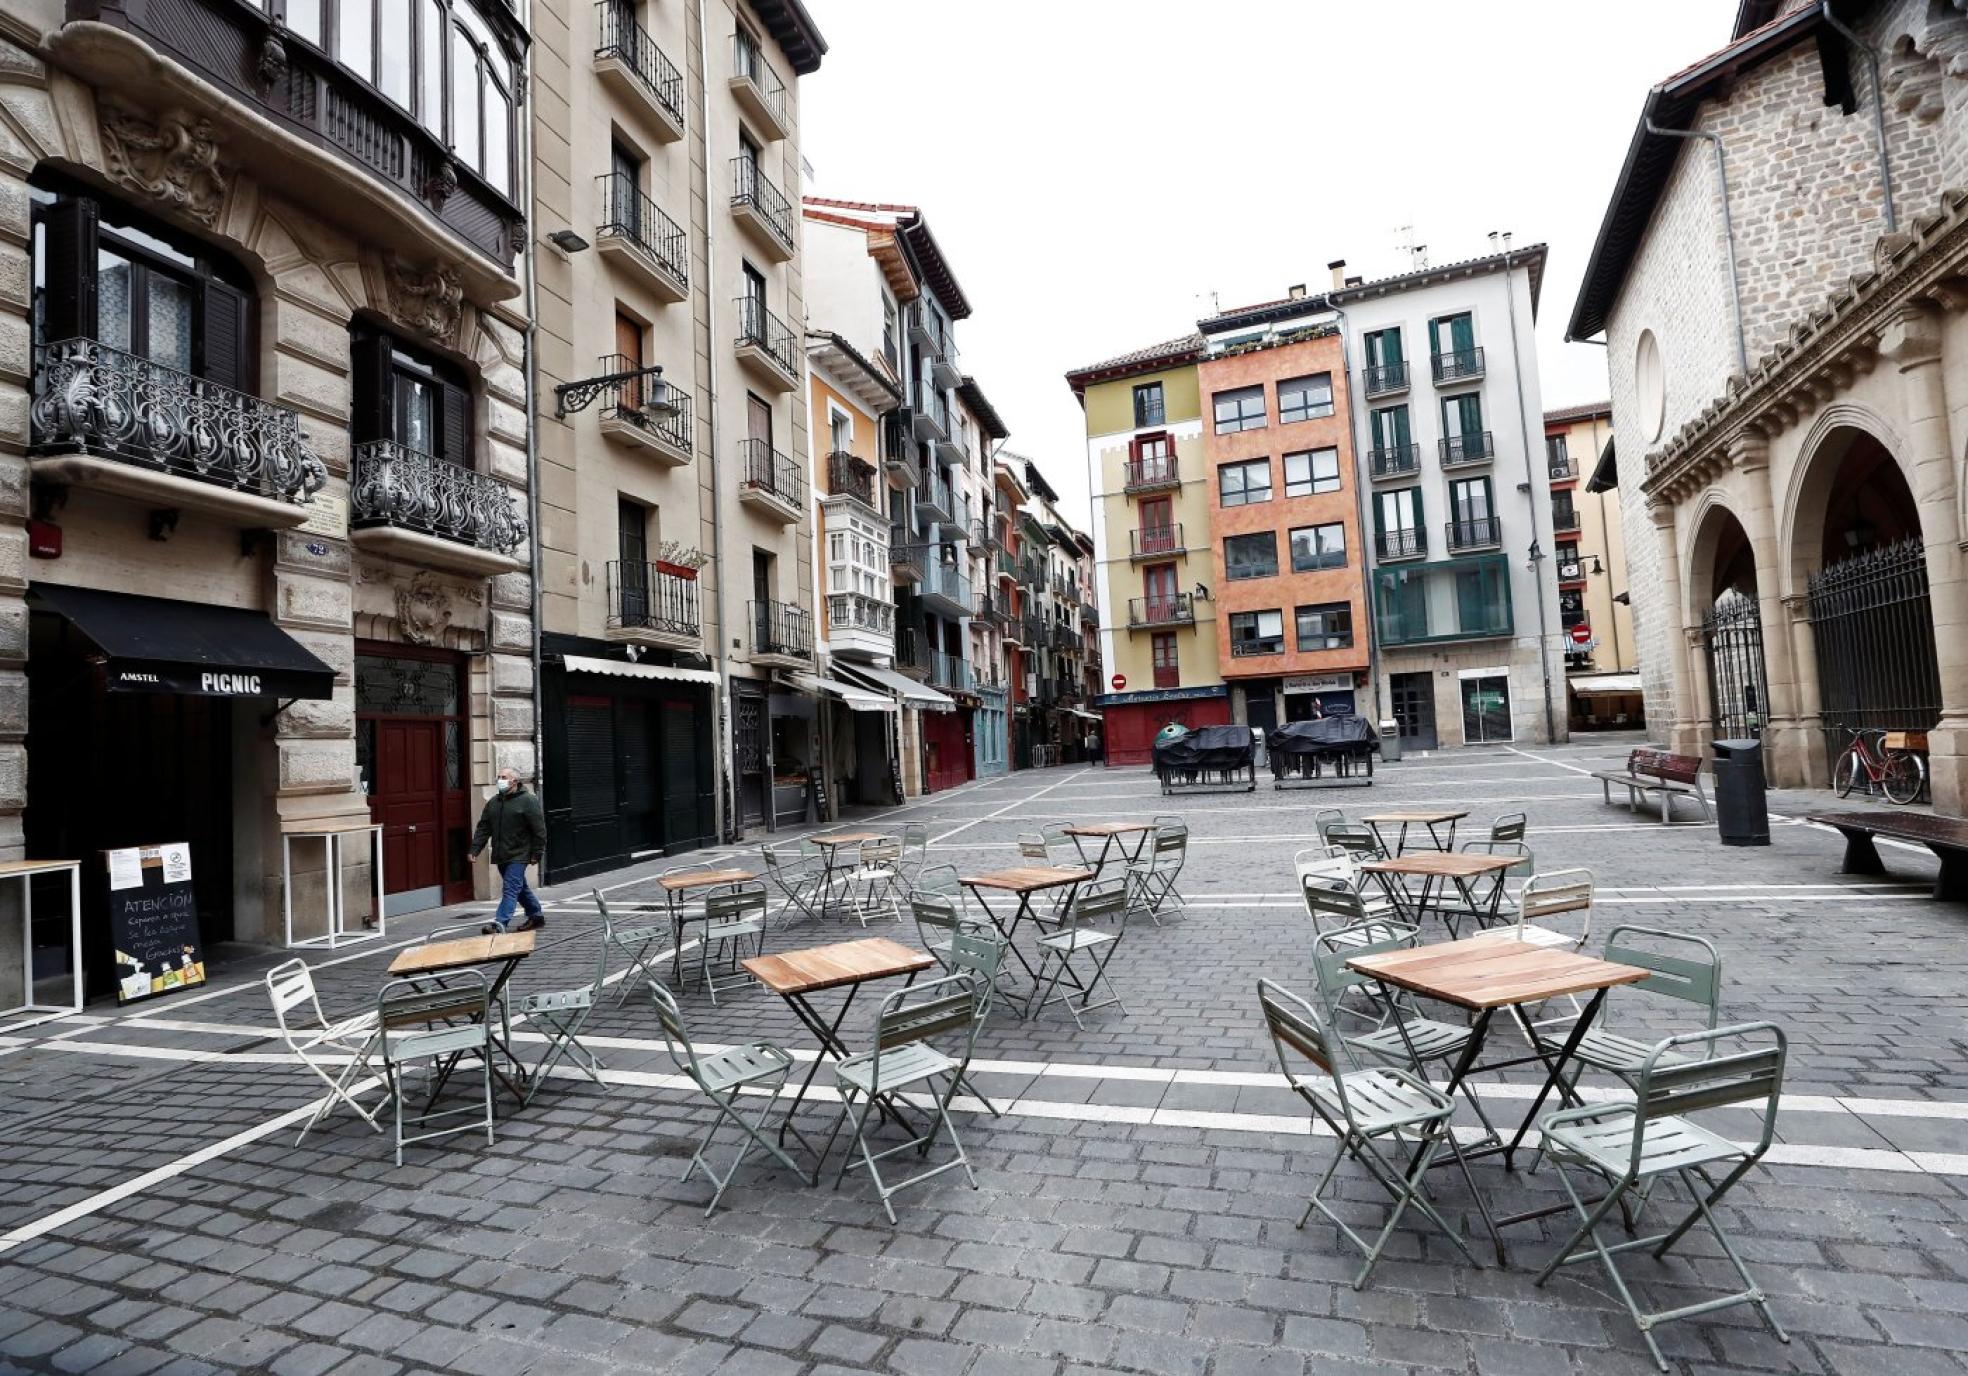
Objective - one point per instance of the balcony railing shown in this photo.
(943, 581)
(1168, 609)
(911, 647)
(934, 499)
(1458, 365)
(780, 628)
(647, 597)
(759, 328)
(853, 611)
(949, 671)
(391, 484)
(1564, 516)
(1394, 461)
(1151, 475)
(1381, 378)
(1463, 599)
(91, 398)
(1402, 544)
(1563, 470)
(850, 475)
(1483, 532)
(624, 401)
(928, 404)
(623, 39)
(1089, 615)
(1458, 450)
(765, 469)
(1267, 645)
(628, 214)
(1155, 542)
(752, 190)
(1067, 691)
(749, 64)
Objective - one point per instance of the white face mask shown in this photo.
(503, 785)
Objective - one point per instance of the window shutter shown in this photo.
(371, 415)
(1390, 346)
(457, 436)
(224, 355)
(68, 301)
(1414, 503)
(1379, 505)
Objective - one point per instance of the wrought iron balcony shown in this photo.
(628, 57)
(853, 611)
(949, 671)
(1068, 692)
(1401, 544)
(1459, 451)
(757, 87)
(1564, 517)
(1458, 365)
(1394, 461)
(638, 407)
(653, 603)
(760, 204)
(1381, 379)
(1151, 475)
(907, 556)
(1168, 609)
(1089, 615)
(850, 475)
(770, 480)
(781, 630)
(1482, 532)
(392, 486)
(766, 342)
(1156, 542)
(912, 650)
(91, 399)
(635, 231)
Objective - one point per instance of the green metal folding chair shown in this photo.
(407, 1039)
(563, 1013)
(796, 877)
(732, 917)
(1357, 839)
(1077, 936)
(915, 853)
(1628, 1147)
(756, 1068)
(876, 886)
(635, 939)
(1489, 899)
(904, 1056)
(1153, 877)
(937, 916)
(1680, 966)
(1325, 818)
(1336, 899)
(1511, 826)
(1360, 1107)
(978, 949)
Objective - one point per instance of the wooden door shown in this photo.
(409, 802)
(628, 344)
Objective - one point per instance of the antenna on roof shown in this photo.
(1404, 243)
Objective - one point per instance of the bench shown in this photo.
(1945, 836)
(1657, 771)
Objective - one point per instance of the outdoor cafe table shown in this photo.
(435, 959)
(1439, 871)
(676, 888)
(1024, 882)
(1482, 974)
(1109, 835)
(1430, 818)
(794, 975)
(831, 846)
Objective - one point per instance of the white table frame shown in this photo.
(29, 1011)
(333, 855)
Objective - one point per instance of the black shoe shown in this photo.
(491, 929)
(533, 923)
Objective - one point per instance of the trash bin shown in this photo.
(1742, 814)
(1390, 739)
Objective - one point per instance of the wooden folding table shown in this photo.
(1024, 882)
(676, 890)
(434, 959)
(1439, 870)
(1110, 835)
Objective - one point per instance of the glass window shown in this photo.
(1327, 626)
(168, 332)
(1148, 408)
(1242, 409)
(1311, 472)
(1469, 499)
(1554, 450)
(394, 51)
(304, 19)
(1318, 547)
(430, 69)
(1250, 556)
(355, 37)
(464, 99)
(115, 299)
(1257, 633)
(1305, 398)
(1242, 484)
(498, 129)
(1384, 348)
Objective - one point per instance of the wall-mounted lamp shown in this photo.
(567, 241)
(1597, 568)
(1537, 556)
(1202, 591)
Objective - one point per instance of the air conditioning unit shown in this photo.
(1569, 571)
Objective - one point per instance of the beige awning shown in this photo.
(857, 699)
(622, 668)
(1605, 685)
(912, 694)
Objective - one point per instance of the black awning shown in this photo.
(157, 645)
(1605, 474)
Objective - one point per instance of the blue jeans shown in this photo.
(516, 893)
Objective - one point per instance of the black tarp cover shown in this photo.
(1324, 735)
(1208, 747)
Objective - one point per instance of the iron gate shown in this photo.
(1732, 636)
(1874, 629)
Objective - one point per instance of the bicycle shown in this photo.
(1900, 773)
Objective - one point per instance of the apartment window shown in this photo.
(1311, 472)
(1257, 633)
(1242, 409)
(403, 394)
(1453, 337)
(1469, 500)
(1555, 451)
(840, 431)
(1244, 484)
(1305, 398)
(1391, 434)
(1148, 409)
(1384, 348)
(1326, 626)
(632, 574)
(1318, 547)
(1250, 556)
(891, 347)
(1168, 672)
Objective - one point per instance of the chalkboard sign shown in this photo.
(816, 797)
(153, 920)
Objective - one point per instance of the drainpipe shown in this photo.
(1728, 228)
(720, 780)
(1878, 107)
(532, 337)
(1530, 483)
(1361, 514)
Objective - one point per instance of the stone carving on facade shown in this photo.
(272, 64)
(442, 181)
(426, 299)
(174, 160)
(423, 610)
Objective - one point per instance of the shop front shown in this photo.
(412, 745)
(935, 716)
(795, 740)
(1320, 695)
(857, 739)
(1131, 720)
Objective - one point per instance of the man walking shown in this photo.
(516, 828)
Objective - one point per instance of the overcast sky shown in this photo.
(1101, 172)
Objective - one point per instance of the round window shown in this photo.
(1650, 386)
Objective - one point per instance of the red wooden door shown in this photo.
(408, 801)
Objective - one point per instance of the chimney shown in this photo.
(1354, 281)
(1296, 291)
(1338, 269)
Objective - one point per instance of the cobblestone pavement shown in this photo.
(1136, 1200)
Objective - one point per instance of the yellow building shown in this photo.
(1602, 661)
(1151, 532)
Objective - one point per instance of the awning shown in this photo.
(159, 645)
(857, 699)
(1081, 712)
(1605, 474)
(912, 694)
(1604, 685)
(622, 668)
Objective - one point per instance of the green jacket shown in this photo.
(514, 824)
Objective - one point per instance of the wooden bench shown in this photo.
(1657, 771)
(1945, 836)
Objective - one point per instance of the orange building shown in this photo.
(1290, 591)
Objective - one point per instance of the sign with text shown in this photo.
(1319, 683)
(153, 921)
